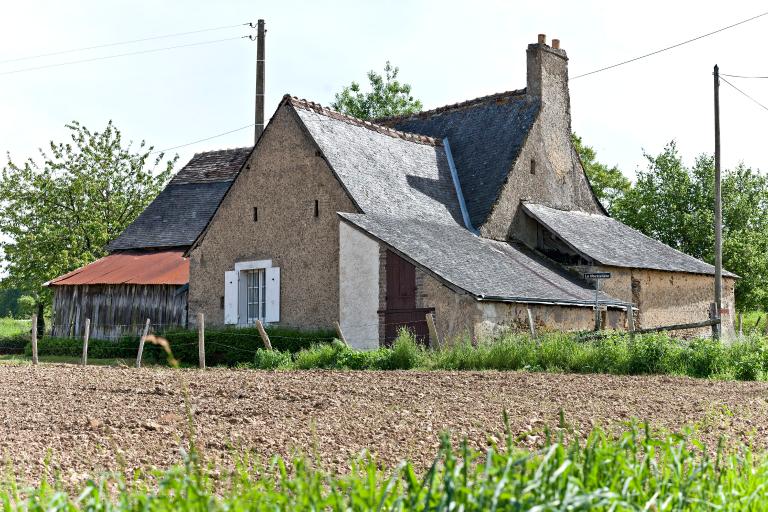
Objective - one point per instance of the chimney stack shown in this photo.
(556, 44)
(259, 81)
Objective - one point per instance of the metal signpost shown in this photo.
(597, 276)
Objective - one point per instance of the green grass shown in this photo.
(635, 471)
(12, 327)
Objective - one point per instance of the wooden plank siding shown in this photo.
(117, 310)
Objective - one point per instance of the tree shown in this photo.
(674, 204)
(59, 214)
(608, 183)
(388, 97)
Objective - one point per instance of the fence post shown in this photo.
(433, 336)
(340, 333)
(631, 322)
(34, 339)
(263, 334)
(86, 335)
(741, 324)
(141, 344)
(201, 340)
(531, 325)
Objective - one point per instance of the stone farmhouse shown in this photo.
(478, 212)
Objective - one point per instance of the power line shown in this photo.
(741, 76)
(153, 50)
(203, 140)
(670, 47)
(119, 43)
(742, 92)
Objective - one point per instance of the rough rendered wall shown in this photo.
(283, 179)
(667, 298)
(458, 315)
(558, 179)
(358, 288)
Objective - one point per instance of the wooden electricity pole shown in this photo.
(259, 80)
(717, 328)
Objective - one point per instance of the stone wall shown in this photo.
(283, 179)
(666, 298)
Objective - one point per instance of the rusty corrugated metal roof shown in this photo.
(131, 267)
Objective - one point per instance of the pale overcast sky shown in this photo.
(448, 50)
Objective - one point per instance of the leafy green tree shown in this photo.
(387, 97)
(608, 183)
(59, 213)
(674, 204)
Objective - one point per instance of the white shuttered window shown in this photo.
(252, 293)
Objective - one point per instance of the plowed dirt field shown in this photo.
(99, 418)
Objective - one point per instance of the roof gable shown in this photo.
(183, 209)
(384, 171)
(486, 135)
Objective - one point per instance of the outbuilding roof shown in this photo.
(132, 267)
(609, 242)
(488, 269)
(183, 209)
(486, 135)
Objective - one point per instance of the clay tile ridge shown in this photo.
(454, 106)
(316, 107)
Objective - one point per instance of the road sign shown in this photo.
(597, 275)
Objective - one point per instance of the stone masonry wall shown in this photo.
(283, 179)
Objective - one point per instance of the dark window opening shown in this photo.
(533, 166)
(222, 302)
(317, 208)
(255, 214)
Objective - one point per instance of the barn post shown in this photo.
(631, 322)
(141, 344)
(201, 340)
(86, 335)
(34, 339)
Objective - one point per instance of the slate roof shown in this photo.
(612, 243)
(183, 209)
(486, 135)
(487, 269)
(386, 172)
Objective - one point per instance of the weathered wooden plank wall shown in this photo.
(116, 310)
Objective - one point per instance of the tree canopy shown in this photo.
(608, 183)
(60, 212)
(387, 97)
(674, 204)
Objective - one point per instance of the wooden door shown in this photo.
(401, 301)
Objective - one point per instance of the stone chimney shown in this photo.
(548, 74)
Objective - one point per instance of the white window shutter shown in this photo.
(230, 297)
(272, 294)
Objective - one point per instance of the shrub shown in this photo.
(748, 359)
(13, 344)
(325, 356)
(406, 353)
(271, 359)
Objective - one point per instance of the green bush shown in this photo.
(13, 344)
(406, 353)
(271, 359)
(748, 358)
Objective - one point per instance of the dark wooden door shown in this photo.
(401, 301)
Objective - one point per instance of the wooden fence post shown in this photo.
(741, 324)
(631, 322)
(34, 339)
(141, 344)
(201, 340)
(263, 334)
(340, 333)
(531, 325)
(86, 335)
(434, 339)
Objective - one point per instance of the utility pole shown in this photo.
(259, 80)
(717, 328)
